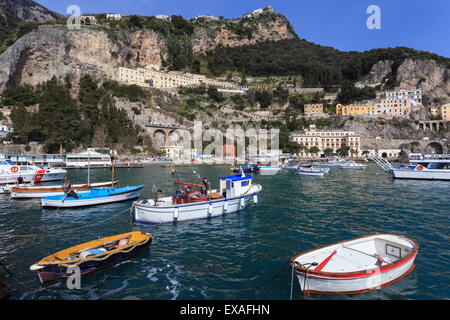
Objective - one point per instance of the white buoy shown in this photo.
(255, 198)
(175, 214)
(225, 206)
(242, 203)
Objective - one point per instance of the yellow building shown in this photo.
(351, 110)
(314, 110)
(444, 111)
(172, 152)
(326, 139)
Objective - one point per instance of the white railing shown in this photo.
(382, 162)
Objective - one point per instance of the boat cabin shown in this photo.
(235, 186)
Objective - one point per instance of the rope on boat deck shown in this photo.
(67, 265)
(79, 228)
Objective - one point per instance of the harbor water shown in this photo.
(238, 256)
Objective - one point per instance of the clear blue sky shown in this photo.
(418, 24)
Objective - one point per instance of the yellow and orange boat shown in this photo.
(92, 256)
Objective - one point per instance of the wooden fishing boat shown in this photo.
(39, 191)
(355, 266)
(235, 194)
(92, 256)
(93, 197)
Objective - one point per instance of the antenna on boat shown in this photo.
(156, 191)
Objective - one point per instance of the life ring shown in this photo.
(420, 167)
(14, 169)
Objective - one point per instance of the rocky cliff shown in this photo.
(28, 11)
(241, 32)
(431, 77)
(57, 51)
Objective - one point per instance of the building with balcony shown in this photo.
(355, 110)
(152, 77)
(444, 112)
(414, 94)
(394, 107)
(314, 110)
(326, 139)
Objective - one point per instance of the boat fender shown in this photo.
(242, 202)
(210, 209)
(420, 167)
(225, 206)
(255, 198)
(175, 214)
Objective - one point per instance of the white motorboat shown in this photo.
(269, 170)
(355, 266)
(10, 172)
(353, 165)
(235, 194)
(312, 171)
(333, 163)
(421, 167)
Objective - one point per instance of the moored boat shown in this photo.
(311, 171)
(355, 266)
(269, 169)
(235, 194)
(94, 196)
(40, 191)
(249, 169)
(421, 167)
(92, 256)
(353, 165)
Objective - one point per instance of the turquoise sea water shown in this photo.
(238, 256)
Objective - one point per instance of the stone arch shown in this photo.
(159, 137)
(434, 125)
(384, 155)
(421, 126)
(433, 147)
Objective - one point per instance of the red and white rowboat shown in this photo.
(355, 266)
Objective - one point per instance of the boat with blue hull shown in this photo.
(92, 256)
(235, 194)
(94, 197)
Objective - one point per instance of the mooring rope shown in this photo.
(74, 229)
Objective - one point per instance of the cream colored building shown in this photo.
(152, 77)
(323, 139)
(444, 112)
(314, 110)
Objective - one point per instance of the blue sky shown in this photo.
(423, 25)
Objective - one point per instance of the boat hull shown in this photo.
(425, 174)
(148, 214)
(320, 285)
(57, 272)
(45, 191)
(72, 202)
(355, 266)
